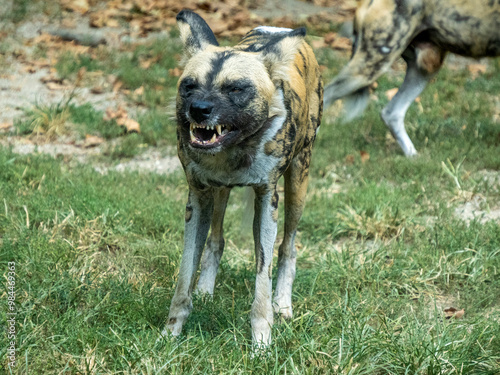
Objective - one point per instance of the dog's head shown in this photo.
(227, 94)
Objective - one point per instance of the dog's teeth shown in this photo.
(213, 139)
(193, 138)
(219, 129)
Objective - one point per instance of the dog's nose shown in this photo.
(200, 110)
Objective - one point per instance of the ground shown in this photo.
(398, 259)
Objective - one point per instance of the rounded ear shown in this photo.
(196, 35)
(280, 52)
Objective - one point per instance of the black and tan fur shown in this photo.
(422, 32)
(246, 115)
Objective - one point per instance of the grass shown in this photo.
(381, 252)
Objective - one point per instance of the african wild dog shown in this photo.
(422, 32)
(246, 116)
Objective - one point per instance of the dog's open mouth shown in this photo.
(208, 135)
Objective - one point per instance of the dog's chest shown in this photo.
(239, 166)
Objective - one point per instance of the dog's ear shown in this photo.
(195, 33)
(280, 52)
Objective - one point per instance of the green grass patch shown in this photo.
(381, 252)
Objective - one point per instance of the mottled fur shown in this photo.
(246, 115)
(422, 32)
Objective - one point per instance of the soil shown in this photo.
(22, 88)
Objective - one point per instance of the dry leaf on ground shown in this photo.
(365, 156)
(79, 6)
(452, 312)
(5, 126)
(120, 115)
(175, 72)
(476, 69)
(92, 141)
(390, 93)
(336, 41)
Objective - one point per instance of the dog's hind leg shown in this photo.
(215, 244)
(296, 181)
(265, 228)
(422, 64)
(197, 223)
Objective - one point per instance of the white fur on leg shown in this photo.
(265, 230)
(209, 266)
(283, 293)
(178, 314)
(262, 312)
(355, 104)
(195, 235)
(215, 244)
(394, 113)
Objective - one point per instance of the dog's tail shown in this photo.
(355, 104)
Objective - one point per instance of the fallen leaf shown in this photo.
(51, 78)
(318, 43)
(97, 90)
(132, 126)
(476, 69)
(175, 72)
(55, 86)
(365, 156)
(111, 22)
(121, 117)
(323, 68)
(452, 312)
(92, 141)
(390, 93)
(79, 6)
(330, 37)
(342, 43)
(5, 126)
(336, 41)
(117, 86)
(139, 91)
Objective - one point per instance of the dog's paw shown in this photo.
(173, 327)
(283, 309)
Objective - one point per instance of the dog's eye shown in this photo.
(188, 86)
(236, 90)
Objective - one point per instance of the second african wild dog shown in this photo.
(246, 115)
(422, 32)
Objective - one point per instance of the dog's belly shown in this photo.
(466, 28)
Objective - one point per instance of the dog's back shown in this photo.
(301, 84)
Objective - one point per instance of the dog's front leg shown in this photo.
(215, 244)
(264, 228)
(197, 223)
